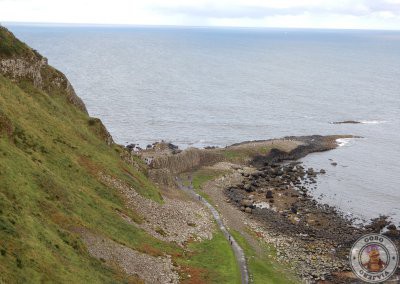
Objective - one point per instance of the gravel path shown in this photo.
(239, 254)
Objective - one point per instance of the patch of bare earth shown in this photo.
(148, 268)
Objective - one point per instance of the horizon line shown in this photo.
(59, 24)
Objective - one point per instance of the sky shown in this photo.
(337, 14)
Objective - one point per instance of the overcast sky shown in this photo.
(356, 14)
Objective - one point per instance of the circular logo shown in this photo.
(374, 258)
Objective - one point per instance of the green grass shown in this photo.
(244, 154)
(49, 186)
(51, 154)
(213, 261)
(199, 178)
(10, 46)
(263, 268)
(264, 150)
(50, 158)
(202, 176)
(234, 155)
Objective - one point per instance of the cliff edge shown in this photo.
(19, 62)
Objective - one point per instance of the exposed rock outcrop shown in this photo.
(309, 144)
(347, 122)
(25, 64)
(186, 160)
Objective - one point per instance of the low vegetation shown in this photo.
(211, 267)
(10, 46)
(262, 268)
(48, 187)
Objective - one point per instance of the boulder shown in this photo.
(246, 202)
(248, 188)
(131, 146)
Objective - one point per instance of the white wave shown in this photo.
(372, 121)
(343, 141)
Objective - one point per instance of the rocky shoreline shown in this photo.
(274, 191)
(279, 196)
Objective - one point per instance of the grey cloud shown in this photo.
(382, 6)
(363, 8)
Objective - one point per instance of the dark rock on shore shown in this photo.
(310, 144)
(347, 122)
(292, 212)
(130, 147)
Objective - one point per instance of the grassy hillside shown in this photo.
(11, 46)
(51, 153)
(48, 159)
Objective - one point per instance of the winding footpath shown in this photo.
(238, 251)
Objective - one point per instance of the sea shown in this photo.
(199, 86)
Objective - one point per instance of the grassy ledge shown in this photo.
(211, 261)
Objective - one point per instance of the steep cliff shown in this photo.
(76, 207)
(19, 63)
(52, 156)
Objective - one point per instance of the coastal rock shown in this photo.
(247, 202)
(130, 147)
(269, 194)
(248, 188)
(248, 210)
(347, 122)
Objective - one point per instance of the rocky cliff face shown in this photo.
(187, 160)
(25, 64)
(164, 165)
(20, 63)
